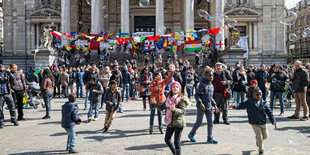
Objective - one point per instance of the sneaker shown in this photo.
(151, 130)
(261, 153)
(22, 119)
(212, 141)
(304, 119)
(226, 122)
(72, 151)
(161, 130)
(89, 120)
(106, 130)
(46, 117)
(95, 119)
(191, 138)
(293, 117)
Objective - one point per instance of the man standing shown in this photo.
(261, 77)
(126, 81)
(222, 81)
(64, 81)
(5, 95)
(300, 82)
(92, 73)
(18, 84)
(277, 79)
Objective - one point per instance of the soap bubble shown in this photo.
(306, 32)
(104, 7)
(288, 18)
(88, 2)
(144, 3)
(232, 22)
(52, 23)
(293, 37)
(106, 16)
(204, 14)
(296, 138)
(274, 80)
(162, 30)
(80, 22)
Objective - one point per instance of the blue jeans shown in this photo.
(125, 87)
(279, 96)
(86, 98)
(71, 89)
(93, 105)
(47, 97)
(159, 113)
(79, 90)
(235, 96)
(71, 138)
(134, 93)
(189, 91)
(199, 119)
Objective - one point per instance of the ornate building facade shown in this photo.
(260, 21)
(300, 49)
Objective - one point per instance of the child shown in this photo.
(157, 90)
(112, 100)
(69, 119)
(205, 102)
(95, 91)
(257, 110)
(254, 85)
(175, 110)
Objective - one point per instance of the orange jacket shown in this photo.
(157, 89)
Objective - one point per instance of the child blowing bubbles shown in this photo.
(257, 110)
(175, 110)
(69, 119)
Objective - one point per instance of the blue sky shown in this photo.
(291, 3)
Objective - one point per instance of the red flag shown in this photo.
(121, 41)
(68, 35)
(94, 35)
(56, 34)
(214, 31)
(153, 38)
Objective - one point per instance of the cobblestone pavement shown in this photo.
(129, 134)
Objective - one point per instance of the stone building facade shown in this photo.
(260, 21)
(300, 49)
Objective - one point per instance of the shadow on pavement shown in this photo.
(46, 123)
(114, 134)
(302, 129)
(77, 133)
(158, 147)
(42, 152)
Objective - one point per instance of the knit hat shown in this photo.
(254, 81)
(177, 83)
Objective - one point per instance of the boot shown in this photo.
(161, 130)
(177, 151)
(151, 130)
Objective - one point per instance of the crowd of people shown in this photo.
(168, 89)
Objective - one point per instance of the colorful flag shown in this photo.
(166, 43)
(214, 31)
(56, 34)
(173, 48)
(160, 45)
(133, 44)
(193, 46)
(153, 38)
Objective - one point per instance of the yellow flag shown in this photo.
(68, 48)
(177, 37)
(133, 44)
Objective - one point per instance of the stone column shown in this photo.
(37, 35)
(32, 36)
(189, 14)
(250, 35)
(160, 15)
(125, 16)
(255, 35)
(97, 16)
(65, 16)
(219, 24)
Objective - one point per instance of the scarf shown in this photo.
(171, 101)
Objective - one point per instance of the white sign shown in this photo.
(142, 34)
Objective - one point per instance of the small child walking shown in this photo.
(112, 100)
(69, 119)
(257, 110)
(205, 102)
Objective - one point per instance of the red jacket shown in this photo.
(158, 93)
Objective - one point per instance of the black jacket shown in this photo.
(257, 111)
(261, 77)
(177, 77)
(250, 76)
(204, 94)
(114, 97)
(56, 77)
(5, 79)
(239, 83)
(300, 80)
(32, 77)
(277, 82)
(126, 76)
(118, 80)
(89, 75)
(98, 91)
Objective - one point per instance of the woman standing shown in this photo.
(240, 80)
(146, 78)
(47, 87)
(175, 110)
(157, 90)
